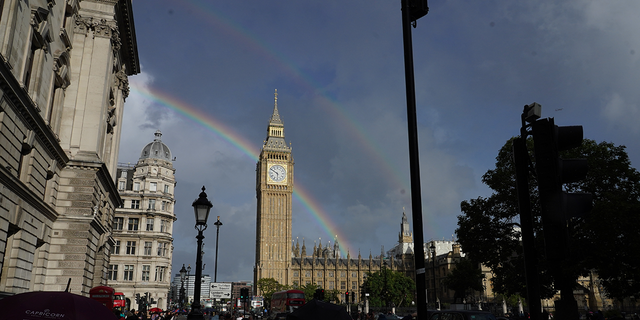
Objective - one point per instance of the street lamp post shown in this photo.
(188, 285)
(435, 283)
(412, 10)
(215, 273)
(183, 276)
(201, 208)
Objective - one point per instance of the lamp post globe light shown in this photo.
(183, 277)
(201, 208)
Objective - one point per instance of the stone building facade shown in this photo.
(143, 227)
(63, 83)
(189, 288)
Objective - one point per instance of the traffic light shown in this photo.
(346, 297)
(244, 294)
(138, 299)
(552, 171)
(418, 9)
(319, 295)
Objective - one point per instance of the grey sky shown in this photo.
(339, 70)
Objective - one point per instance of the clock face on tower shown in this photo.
(277, 173)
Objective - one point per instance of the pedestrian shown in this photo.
(118, 314)
(131, 315)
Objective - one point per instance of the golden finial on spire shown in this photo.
(275, 98)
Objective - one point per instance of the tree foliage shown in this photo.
(309, 290)
(332, 295)
(605, 241)
(269, 286)
(465, 278)
(386, 286)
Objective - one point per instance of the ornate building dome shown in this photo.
(156, 149)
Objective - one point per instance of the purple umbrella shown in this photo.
(53, 305)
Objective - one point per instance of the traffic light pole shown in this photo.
(416, 203)
(521, 162)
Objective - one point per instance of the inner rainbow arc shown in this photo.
(300, 193)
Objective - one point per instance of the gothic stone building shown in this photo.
(63, 82)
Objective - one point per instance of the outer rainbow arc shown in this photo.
(357, 131)
(394, 174)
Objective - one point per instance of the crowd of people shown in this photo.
(172, 315)
(140, 315)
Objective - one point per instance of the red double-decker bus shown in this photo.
(119, 302)
(287, 301)
(104, 295)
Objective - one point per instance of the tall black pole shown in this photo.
(521, 164)
(196, 313)
(215, 273)
(182, 294)
(416, 202)
(521, 161)
(435, 282)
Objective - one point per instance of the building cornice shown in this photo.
(124, 15)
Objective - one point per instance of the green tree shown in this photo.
(605, 241)
(332, 295)
(464, 277)
(386, 286)
(309, 290)
(268, 286)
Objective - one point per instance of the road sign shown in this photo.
(220, 290)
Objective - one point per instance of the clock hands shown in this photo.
(277, 173)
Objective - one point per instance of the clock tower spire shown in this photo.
(274, 190)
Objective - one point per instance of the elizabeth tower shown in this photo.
(274, 189)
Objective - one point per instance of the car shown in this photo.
(461, 315)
